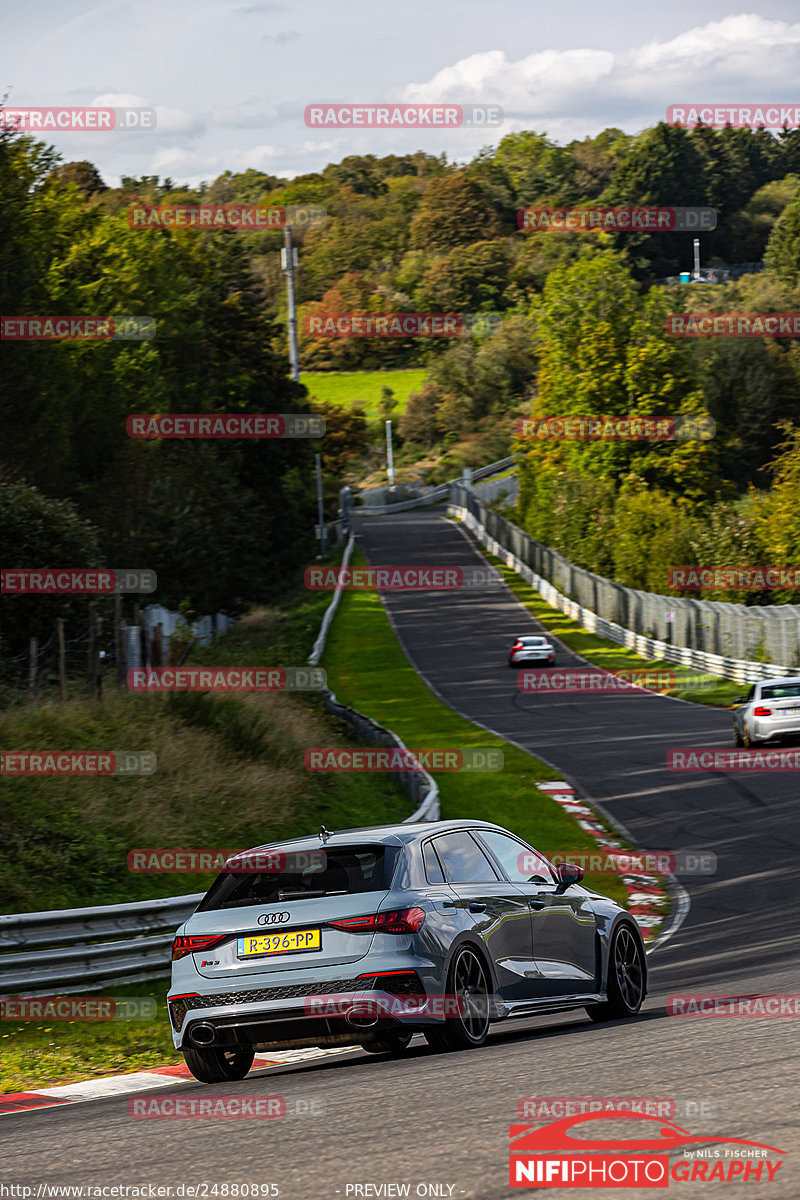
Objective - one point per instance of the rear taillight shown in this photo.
(398, 983)
(182, 946)
(178, 1007)
(762, 712)
(402, 920)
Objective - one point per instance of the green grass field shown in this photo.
(363, 387)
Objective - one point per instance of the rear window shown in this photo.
(779, 691)
(344, 871)
(532, 641)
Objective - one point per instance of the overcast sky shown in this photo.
(230, 79)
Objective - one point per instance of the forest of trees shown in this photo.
(225, 522)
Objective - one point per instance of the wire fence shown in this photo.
(82, 663)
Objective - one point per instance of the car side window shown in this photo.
(433, 868)
(520, 863)
(750, 695)
(463, 859)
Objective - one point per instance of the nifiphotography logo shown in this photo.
(552, 1156)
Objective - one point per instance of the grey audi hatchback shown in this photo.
(367, 936)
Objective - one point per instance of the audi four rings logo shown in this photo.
(273, 918)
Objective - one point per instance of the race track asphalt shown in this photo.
(441, 1121)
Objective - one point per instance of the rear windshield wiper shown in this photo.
(283, 894)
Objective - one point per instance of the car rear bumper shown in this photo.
(344, 1018)
(772, 731)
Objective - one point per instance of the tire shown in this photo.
(210, 1065)
(737, 737)
(625, 982)
(390, 1042)
(747, 740)
(468, 978)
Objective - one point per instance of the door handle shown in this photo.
(476, 906)
(536, 903)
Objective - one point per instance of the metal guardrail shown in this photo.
(437, 494)
(84, 949)
(736, 669)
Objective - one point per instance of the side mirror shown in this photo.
(567, 874)
(738, 700)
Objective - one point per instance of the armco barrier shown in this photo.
(472, 512)
(435, 495)
(84, 949)
(419, 786)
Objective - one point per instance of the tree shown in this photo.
(38, 532)
(453, 213)
(84, 175)
(387, 404)
(470, 279)
(783, 248)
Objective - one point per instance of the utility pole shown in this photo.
(320, 510)
(288, 264)
(389, 458)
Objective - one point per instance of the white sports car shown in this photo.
(531, 650)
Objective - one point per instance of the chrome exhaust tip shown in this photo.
(360, 1018)
(204, 1034)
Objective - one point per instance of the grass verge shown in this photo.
(379, 680)
(40, 1054)
(230, 774)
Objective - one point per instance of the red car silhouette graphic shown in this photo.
(557, 1136)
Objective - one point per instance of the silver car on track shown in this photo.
(770, 710)
(531, 649)
(367, 936)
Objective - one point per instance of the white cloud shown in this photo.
(742, 58)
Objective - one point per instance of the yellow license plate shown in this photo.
(279, 943)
